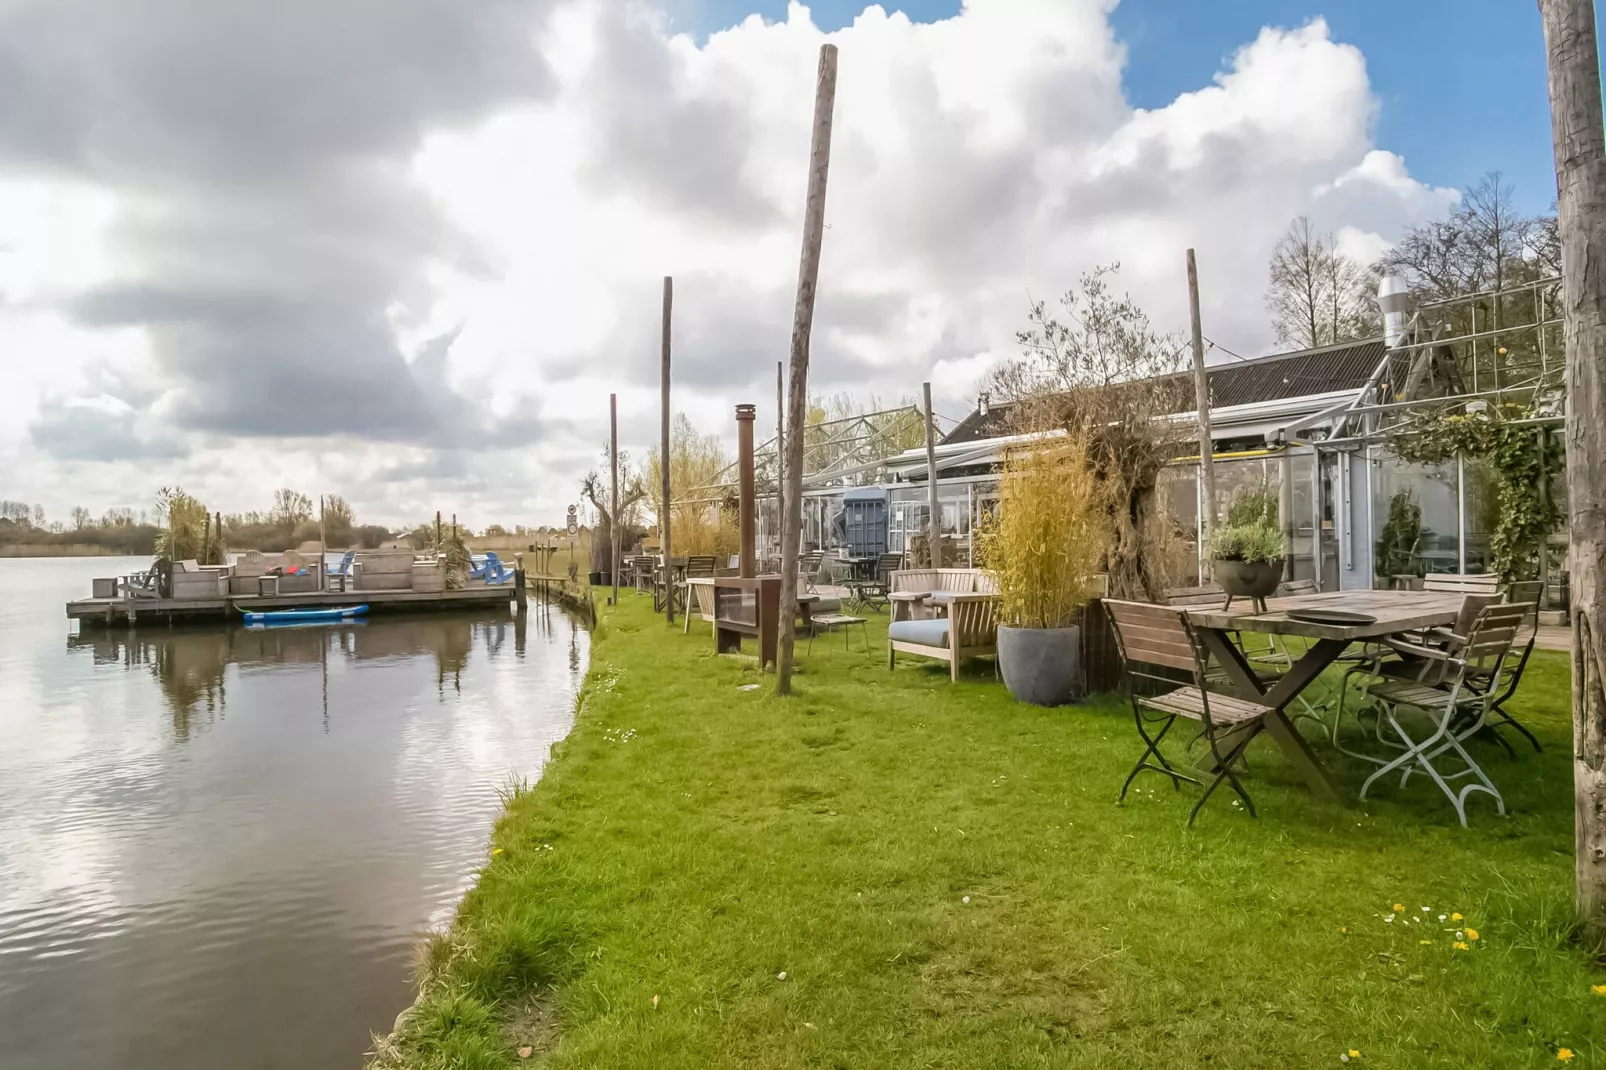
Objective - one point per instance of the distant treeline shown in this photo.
(132, 539)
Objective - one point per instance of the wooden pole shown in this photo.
(663, 458)
(1201, 395)
(323, 568)
(808, 274)
(1576, 125)
(934, 528)
(613, 501)
(780, 460)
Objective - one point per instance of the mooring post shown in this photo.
(520, 595)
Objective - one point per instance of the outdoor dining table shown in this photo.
(1393, 612)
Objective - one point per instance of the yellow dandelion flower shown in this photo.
(1353, 1054)
(1455, 917)
(1460, 945)
(1564, 1054)
(1398, 907)
(1472, 934)
(1424, 941)
(1599, 990)
(497, 851)
(1345, 929)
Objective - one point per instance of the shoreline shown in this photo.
(889, 869)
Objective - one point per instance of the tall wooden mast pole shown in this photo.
(613, 501)
(808, 274)
(934, 529)
(663, 459)
(1576, 126)
(1201, 395)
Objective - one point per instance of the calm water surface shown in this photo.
(219, 846)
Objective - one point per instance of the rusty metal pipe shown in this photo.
(748, 508)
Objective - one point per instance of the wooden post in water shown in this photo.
(934, 529)
(808, 274)
(663, 459)
(613, 502)
(520, 596)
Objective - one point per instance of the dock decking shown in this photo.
(106, 612)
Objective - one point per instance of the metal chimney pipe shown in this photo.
(748, 507)
(1394, 298)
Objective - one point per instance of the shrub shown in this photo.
(1050, 535)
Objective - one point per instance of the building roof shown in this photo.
(1278, 377)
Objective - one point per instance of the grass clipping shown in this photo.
(1049, 535)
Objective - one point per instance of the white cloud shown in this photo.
(976, 161)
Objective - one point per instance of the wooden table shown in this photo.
(904, 603)
(1396, 611)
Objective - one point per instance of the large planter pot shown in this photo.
(1042, 666)
(600, 579)
(1254, 580)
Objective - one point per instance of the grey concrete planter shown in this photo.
(1042, 666)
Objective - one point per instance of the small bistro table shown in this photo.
(1395, 612)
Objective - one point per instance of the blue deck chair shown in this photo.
(343, 566)
(494, 572)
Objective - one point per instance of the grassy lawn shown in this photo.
(945, 880)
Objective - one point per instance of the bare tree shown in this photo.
(290, 507)
(80, 518)
(1483, 244)
(1103, 372)
(1316, 295)
(1576, 126)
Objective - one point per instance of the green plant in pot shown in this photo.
(1247, 552)
(1044, 547)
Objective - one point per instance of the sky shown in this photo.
(404, 253)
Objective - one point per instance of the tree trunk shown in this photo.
(1575, 109)
(797, 389)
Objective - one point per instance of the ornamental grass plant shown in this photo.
(1049, 535)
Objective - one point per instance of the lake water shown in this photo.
(218, 847)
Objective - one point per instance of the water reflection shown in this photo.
(191, 665)
(218, 846)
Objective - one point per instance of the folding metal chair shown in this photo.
(1504, 683)
(1155, 638)
(1397, 658)
(1454, 707)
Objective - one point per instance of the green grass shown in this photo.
(691, 841)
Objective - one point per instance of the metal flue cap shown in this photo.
(746, 412)
(1394, 298)
(1394, 294)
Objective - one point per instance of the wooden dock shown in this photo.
(106, 612)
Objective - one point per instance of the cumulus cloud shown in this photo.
(415, 247)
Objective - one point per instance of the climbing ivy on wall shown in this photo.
(1523, 461)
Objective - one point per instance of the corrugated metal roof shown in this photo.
(1277, 377)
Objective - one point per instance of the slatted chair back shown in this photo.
(1151, 638)
(1461, 583)
(1471, 606)
(1526, 592)
(1207, 595)
(700, 565)
(1489, 640)
(887, 565)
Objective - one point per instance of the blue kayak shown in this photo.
(304, 616)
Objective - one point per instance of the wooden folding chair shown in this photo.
(1151, 640)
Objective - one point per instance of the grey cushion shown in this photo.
(826, 604)
(923, 632)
